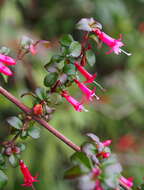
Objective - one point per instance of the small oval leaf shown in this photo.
(15, 122)
(91, 58)
(50, 79)
(34, 132)
(75, 49)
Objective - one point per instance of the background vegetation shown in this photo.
(119, 114)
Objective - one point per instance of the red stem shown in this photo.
(41, 121)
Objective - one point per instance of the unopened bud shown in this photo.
(8, 151)
(38, 109)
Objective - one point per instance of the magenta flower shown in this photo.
(77, 105)
(107, 142)
(114, 44)
(5, 70)
(90, 78)
(4, 59)
(28, 178)
(88, 93)
(127, 182)
(98, 185)
(7, 60)
(32, 49)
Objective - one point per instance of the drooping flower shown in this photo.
(7, 60)
(28, 178)
(126, 182)
(87, 92)
(114, 44)
(5, 70)
(90, 78)
(95, 172)
(4, 59)
(98, 185)
(107, 142)
(77, 105)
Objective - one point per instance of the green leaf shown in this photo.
(2, 160)
(15, 122)
(82, 159)
(61, 64)
(4, 50)
(41, 93)
(56, 98)
(75, 49)
(5, 77)
(26, 42)
(91, 58)
(3, 179)
(21, 146)
(89, 149)
(66, 40)
(88, 24)
(74, 172)
(69, 69)
(23, 135)
(34, 132)
(13, 161)
(50, 79)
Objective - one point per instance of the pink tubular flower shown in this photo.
(88, 93)
(32, 49)
(7, 60)
(98, 185)
(5, 70)
(95, 172)
(4, 59)
(111, 42)
(77, 105)
(126, 182)
(28, 178)
(107, 142)
(90, 78)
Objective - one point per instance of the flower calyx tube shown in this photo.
(77, 105)
(90, 78)
(28, 178)
(114, 44)
(87, 92)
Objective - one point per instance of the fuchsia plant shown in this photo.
(93, 163)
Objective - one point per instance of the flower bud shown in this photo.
(8, 151)
(38, 109)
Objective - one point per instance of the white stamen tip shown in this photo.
(128, 54)
(97, 97)
(85, 110)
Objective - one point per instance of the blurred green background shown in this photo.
(119, 114)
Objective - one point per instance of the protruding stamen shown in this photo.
(102, 88)
(85, 109)
(97, 97)
(128, 54)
